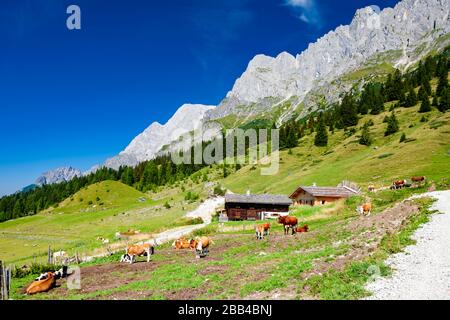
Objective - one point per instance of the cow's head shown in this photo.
(193, 243)
(126, 258)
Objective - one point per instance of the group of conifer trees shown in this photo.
(403, 90)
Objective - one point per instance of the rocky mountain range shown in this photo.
(407, 32)
(58, 175)
(145, 146)
(397, 37)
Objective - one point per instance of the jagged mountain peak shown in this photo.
(409, 26)
(146, 146)
(58, 175)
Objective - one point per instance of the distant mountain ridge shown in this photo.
(145, 146)
(410, 26)
(58, 175)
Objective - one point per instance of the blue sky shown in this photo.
(78, 97)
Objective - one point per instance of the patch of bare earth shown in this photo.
(368, 233)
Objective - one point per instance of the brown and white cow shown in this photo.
(201, 246)
(181, 244)
(288, 222)
(42, 285)
(262, 230)
(134, 251)
(399, 184)
(365, 209)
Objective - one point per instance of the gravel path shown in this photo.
(422, 271)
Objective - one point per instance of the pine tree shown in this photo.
(392, 125)
(435, 102)
(127, 176)
(427, 87)
(442, 85)
(349, 111)
(412, 99)
(422, 94)
(425, 105)
(321, 139)
(444, 103)
(366, 138)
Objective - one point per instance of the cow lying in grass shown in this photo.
(303, 229)
(134, 251)
(365, 209)
(201, 246)
(262, 230)
(288, 222)
(181, 244)
(42, 285)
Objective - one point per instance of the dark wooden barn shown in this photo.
(255, 207)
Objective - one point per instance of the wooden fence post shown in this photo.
(1, 281)
(7, 282)
(49, 256)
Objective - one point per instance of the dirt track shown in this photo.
(423, 270)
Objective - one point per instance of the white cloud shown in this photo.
(304, 18)
(306, 10)
(300, 3)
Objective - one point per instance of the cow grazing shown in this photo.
(201, 246)
(288, 222)
(418, 179)
(262, 230)
(365, 209)
(303, 229)
(181, 244)
(134, 251)
(42, 285)
(399, 184)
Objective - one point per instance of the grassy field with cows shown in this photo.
(333, 261)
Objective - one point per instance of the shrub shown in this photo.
(189, 221)
(34, 269)
(167, 205)
(219, 191)
(366, 138)
(403, 138)
(205, 231)
(392, 125)
(191, 196)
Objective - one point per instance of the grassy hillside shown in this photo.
(426, 152)
(99, 210)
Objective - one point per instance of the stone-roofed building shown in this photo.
(254, 207)
(314, 196)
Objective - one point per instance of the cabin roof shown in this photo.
(258, 199)
(334, 192)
